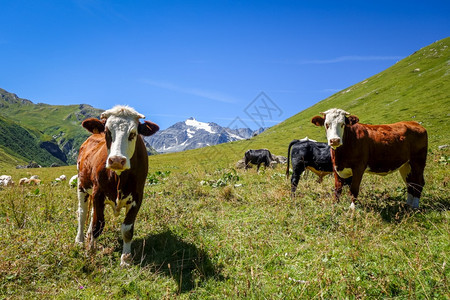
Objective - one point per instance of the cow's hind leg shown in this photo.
(354, 185)
(404, 171)
(83, 206)
(415, 181)
(98, 219)
(297, 172)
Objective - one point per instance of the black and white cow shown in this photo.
(311, 155)
(257, 157)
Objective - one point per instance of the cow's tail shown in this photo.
(288, 157)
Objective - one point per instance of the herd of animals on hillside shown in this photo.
(113, 163)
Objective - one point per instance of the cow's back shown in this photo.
(402, 138)
(383, 147)
(313, 154)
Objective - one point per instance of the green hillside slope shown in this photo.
(415, 88)
(19, 145)
(56, 129)
(8, 160)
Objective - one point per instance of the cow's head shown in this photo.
(335, 121)
(121, 126)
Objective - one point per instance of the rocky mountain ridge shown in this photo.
(43, 133)
(193, 134)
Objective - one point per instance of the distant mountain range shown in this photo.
(192, 134)
(47, 135)
(52, 134)
(415, 88)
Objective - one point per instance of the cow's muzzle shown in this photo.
(117, 163)
(336, 142)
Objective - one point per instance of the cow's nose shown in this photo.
(335, 142)
(116, 162)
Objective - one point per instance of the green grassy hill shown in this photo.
(24, 149)
(415, 88)
(48, 133)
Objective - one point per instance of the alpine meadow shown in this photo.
(207, 230)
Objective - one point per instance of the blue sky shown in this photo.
(206, 59)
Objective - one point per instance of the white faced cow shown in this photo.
(380, 149)
(112, 169)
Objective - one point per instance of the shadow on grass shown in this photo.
(394, 209)
(168, 254)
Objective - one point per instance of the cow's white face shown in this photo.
(121, 130)
(334, 126)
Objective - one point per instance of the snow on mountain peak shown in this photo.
(198, 125)
(193, 134)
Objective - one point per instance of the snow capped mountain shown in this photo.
(193, 134)
(191, 122)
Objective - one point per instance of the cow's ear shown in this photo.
(93, 125)
(147, 128)
(351, 120)
(318, 121)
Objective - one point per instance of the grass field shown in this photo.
(210, 231)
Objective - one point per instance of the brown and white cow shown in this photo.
(380, 149)
(112, 169)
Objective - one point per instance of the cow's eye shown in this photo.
(327, 126)
(131, 136)
(108, 138)
(107, 133)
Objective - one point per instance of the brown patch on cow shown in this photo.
(382, 149)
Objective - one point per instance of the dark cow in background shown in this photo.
(112, 169)
(257, 157)
(378, 149)
(311, 155)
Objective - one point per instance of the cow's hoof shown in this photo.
(413, 202)
(125, 260)
(79, 240)
(92, 245)
(413, 207)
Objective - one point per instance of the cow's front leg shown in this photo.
(83, 204)
(127, 235)
(246, 164)
(128, 231)
(354, 186)
(338, 184)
